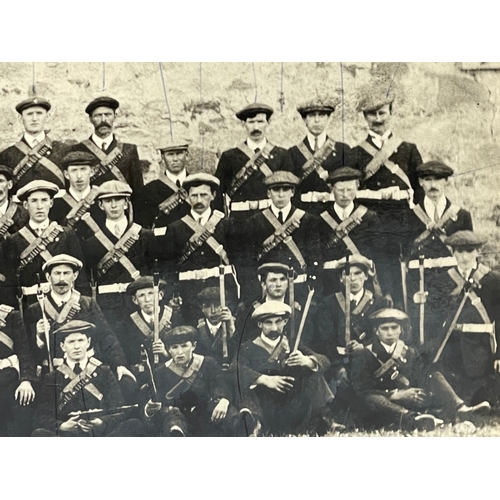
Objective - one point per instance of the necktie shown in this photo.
(315, 144)
(280, 217)
(117, 231)
(35, 143)
(39, 231)
(178, 183)
(257, 150)
(103, 147)
(436, 214)
(77, 369)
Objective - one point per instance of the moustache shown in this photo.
(62, 283)
(273, 335)
(255, 132)
(198, 205)
(103, 125)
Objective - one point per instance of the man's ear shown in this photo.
(51, 202)
(66, 175)
(134, 300)
(9, 185)
(161, 294)
(47, 276)
(101, 206)
(285, 321)
(25, 204)
(420, 181)
(76, 275)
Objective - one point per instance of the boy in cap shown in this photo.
(193, 397)
(284, 387)
(81, 383)
(242, 169)
(35, 156)
(38, 241)
(114, 160)
(317, 155)
(398, 390)
(119, 251)
(163, 200)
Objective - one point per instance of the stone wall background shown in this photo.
(451, 115)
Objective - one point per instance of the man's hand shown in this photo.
(175, 303)
(227, 317)
(496, 365)
(220, 411)
(25, 393)
(151, 408)
(122, 370)
(40, 328)
(89, 425)
(277, 382)
(414, 395)
(159, 348)
(353, 347)
(70, 425)
(299, 359)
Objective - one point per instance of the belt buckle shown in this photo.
(200, 274)
(122, 287)
(253, 204)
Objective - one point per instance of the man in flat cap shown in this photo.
(115, 160)
(389, 184)
(196, 246)
(18, 380)
(192, 397)
(317, 155)
(346, 226)
(242, 169)
(468, 350)
(38, 241)
(283, 386)
(118, 252)
(82, 384)
(398, 390)
(434, 218)
(35, 155)
(62, 304)
(282, 233)
(71, 205)
(163, 200)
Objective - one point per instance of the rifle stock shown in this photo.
(41, 300)
(222, 293)
(303, 319)
(347, 301)
(156, 310)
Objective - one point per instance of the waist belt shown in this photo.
(317, 196)
(113, 288)
(31, 290)
(391, 193)
(243, 206)
(432, 263)
(203, 274)
(301, 278)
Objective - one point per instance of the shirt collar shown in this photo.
(343, 213)
(99, 142)
(213, 328)
(122, 224)
(321, 139)
(59, 299)
(267, 341)
(181, 176)
(466, 273)
(79, 195)
(30, 138)
(430, 206)
(83, 363)
(389, 348)
(285, 210)
(254, 145)
(203, 218)
(39, 225)
(358, 296)
(147, 317)
(3, 208)
(378, 140)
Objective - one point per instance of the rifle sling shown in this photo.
(69, 392)
(107, 159)
(7, 218)
(68, 311)
(35, 242)
(147, 331)
(188, 376)
(311, 158)
(398, 353)
(353, 220)
(451, 213)
(280, 228)
(364, 303)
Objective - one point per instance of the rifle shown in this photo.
(468, 286)
(303, 319)
(19, 295)
(41, 300)
(156, 310)
(89, 414)
(291, 301)
(404, 271)
(347, 301)
(421, 298)
(147, 364)
(222, 292)
(93, 284)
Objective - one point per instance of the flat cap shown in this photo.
(343, 174)
(62, 259)
(388, 315)
(32, 102)
(374, 99)
(174, 146)
(359, 261)
(209, 295)
(199, 179)
(281, 178)
(270, 309)
(38, 185)
(143, 282)
(254, 109)
(107, 102)
(74, 326)
(114, 189)
(466, 239)
(180, 334)
(321, 104)
(78, 158)
(434, 168)
(272, 267)
(6, 171)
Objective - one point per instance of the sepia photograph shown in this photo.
(249, 249)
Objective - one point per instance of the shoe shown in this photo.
(427, 422)
(176, 431)
(250, 423)
(483, 408)
(464, 428)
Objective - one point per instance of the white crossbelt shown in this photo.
(32, 290)
(390, 193)
(113, 288)
(476, 327)
(301, 278)
(432, 263)
(203, 274)
(243, 206)
(333, 264)
(316, 196)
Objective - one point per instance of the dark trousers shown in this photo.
(129, 428)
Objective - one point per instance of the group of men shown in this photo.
(294, 291)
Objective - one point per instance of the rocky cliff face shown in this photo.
(450, 114)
